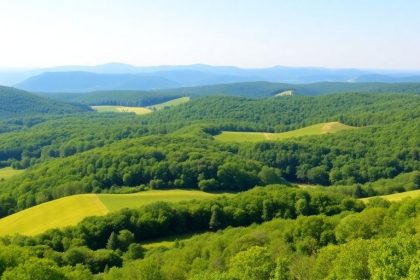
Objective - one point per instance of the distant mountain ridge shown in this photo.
(118, 76)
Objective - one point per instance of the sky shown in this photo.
(371, 34)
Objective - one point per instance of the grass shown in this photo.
(167, 242)
(140, 110)
(114, 202)
(396, 196)
(317, 129)
(68, 211)
(122, 109)
(58, 213)
(170, 103)
(8, 172)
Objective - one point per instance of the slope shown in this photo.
(16, 102)
(317, 129)
(71, 210)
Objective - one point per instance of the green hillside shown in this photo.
(19, 103)
(276, 114)
(71, 210)
(303, 233)
(317, 129)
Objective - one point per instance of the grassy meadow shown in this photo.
(140, 110)
(317, 129)
(114, 202)
(396, 196)
(71, 210)
(8, 172)
(170, 103)
(122, 109)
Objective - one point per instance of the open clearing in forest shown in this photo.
(170, 103)
(8, 172)
(122, 109)
(317, 129)
(70, 210)
(396, 196)
(141, 110)
(285, 93)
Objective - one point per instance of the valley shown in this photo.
(209, 140)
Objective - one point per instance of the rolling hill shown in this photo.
(253, 90)
(317, 129)
(280, 114)
(70, 210)
(16, 102)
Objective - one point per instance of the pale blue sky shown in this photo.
(247, 33)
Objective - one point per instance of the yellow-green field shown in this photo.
(285, 93)
(71, 210)
(167, 242)
(170, 103)
(114, 202)
(140, 110)
(317, 129)
(122, 109)
(8, 172)
(396, 196)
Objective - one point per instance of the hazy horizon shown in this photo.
(17, 69)
(370, 34)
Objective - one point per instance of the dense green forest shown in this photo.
(194, 160)
(278, 114)
(303, 235)
(268, 223)
(70, 135)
